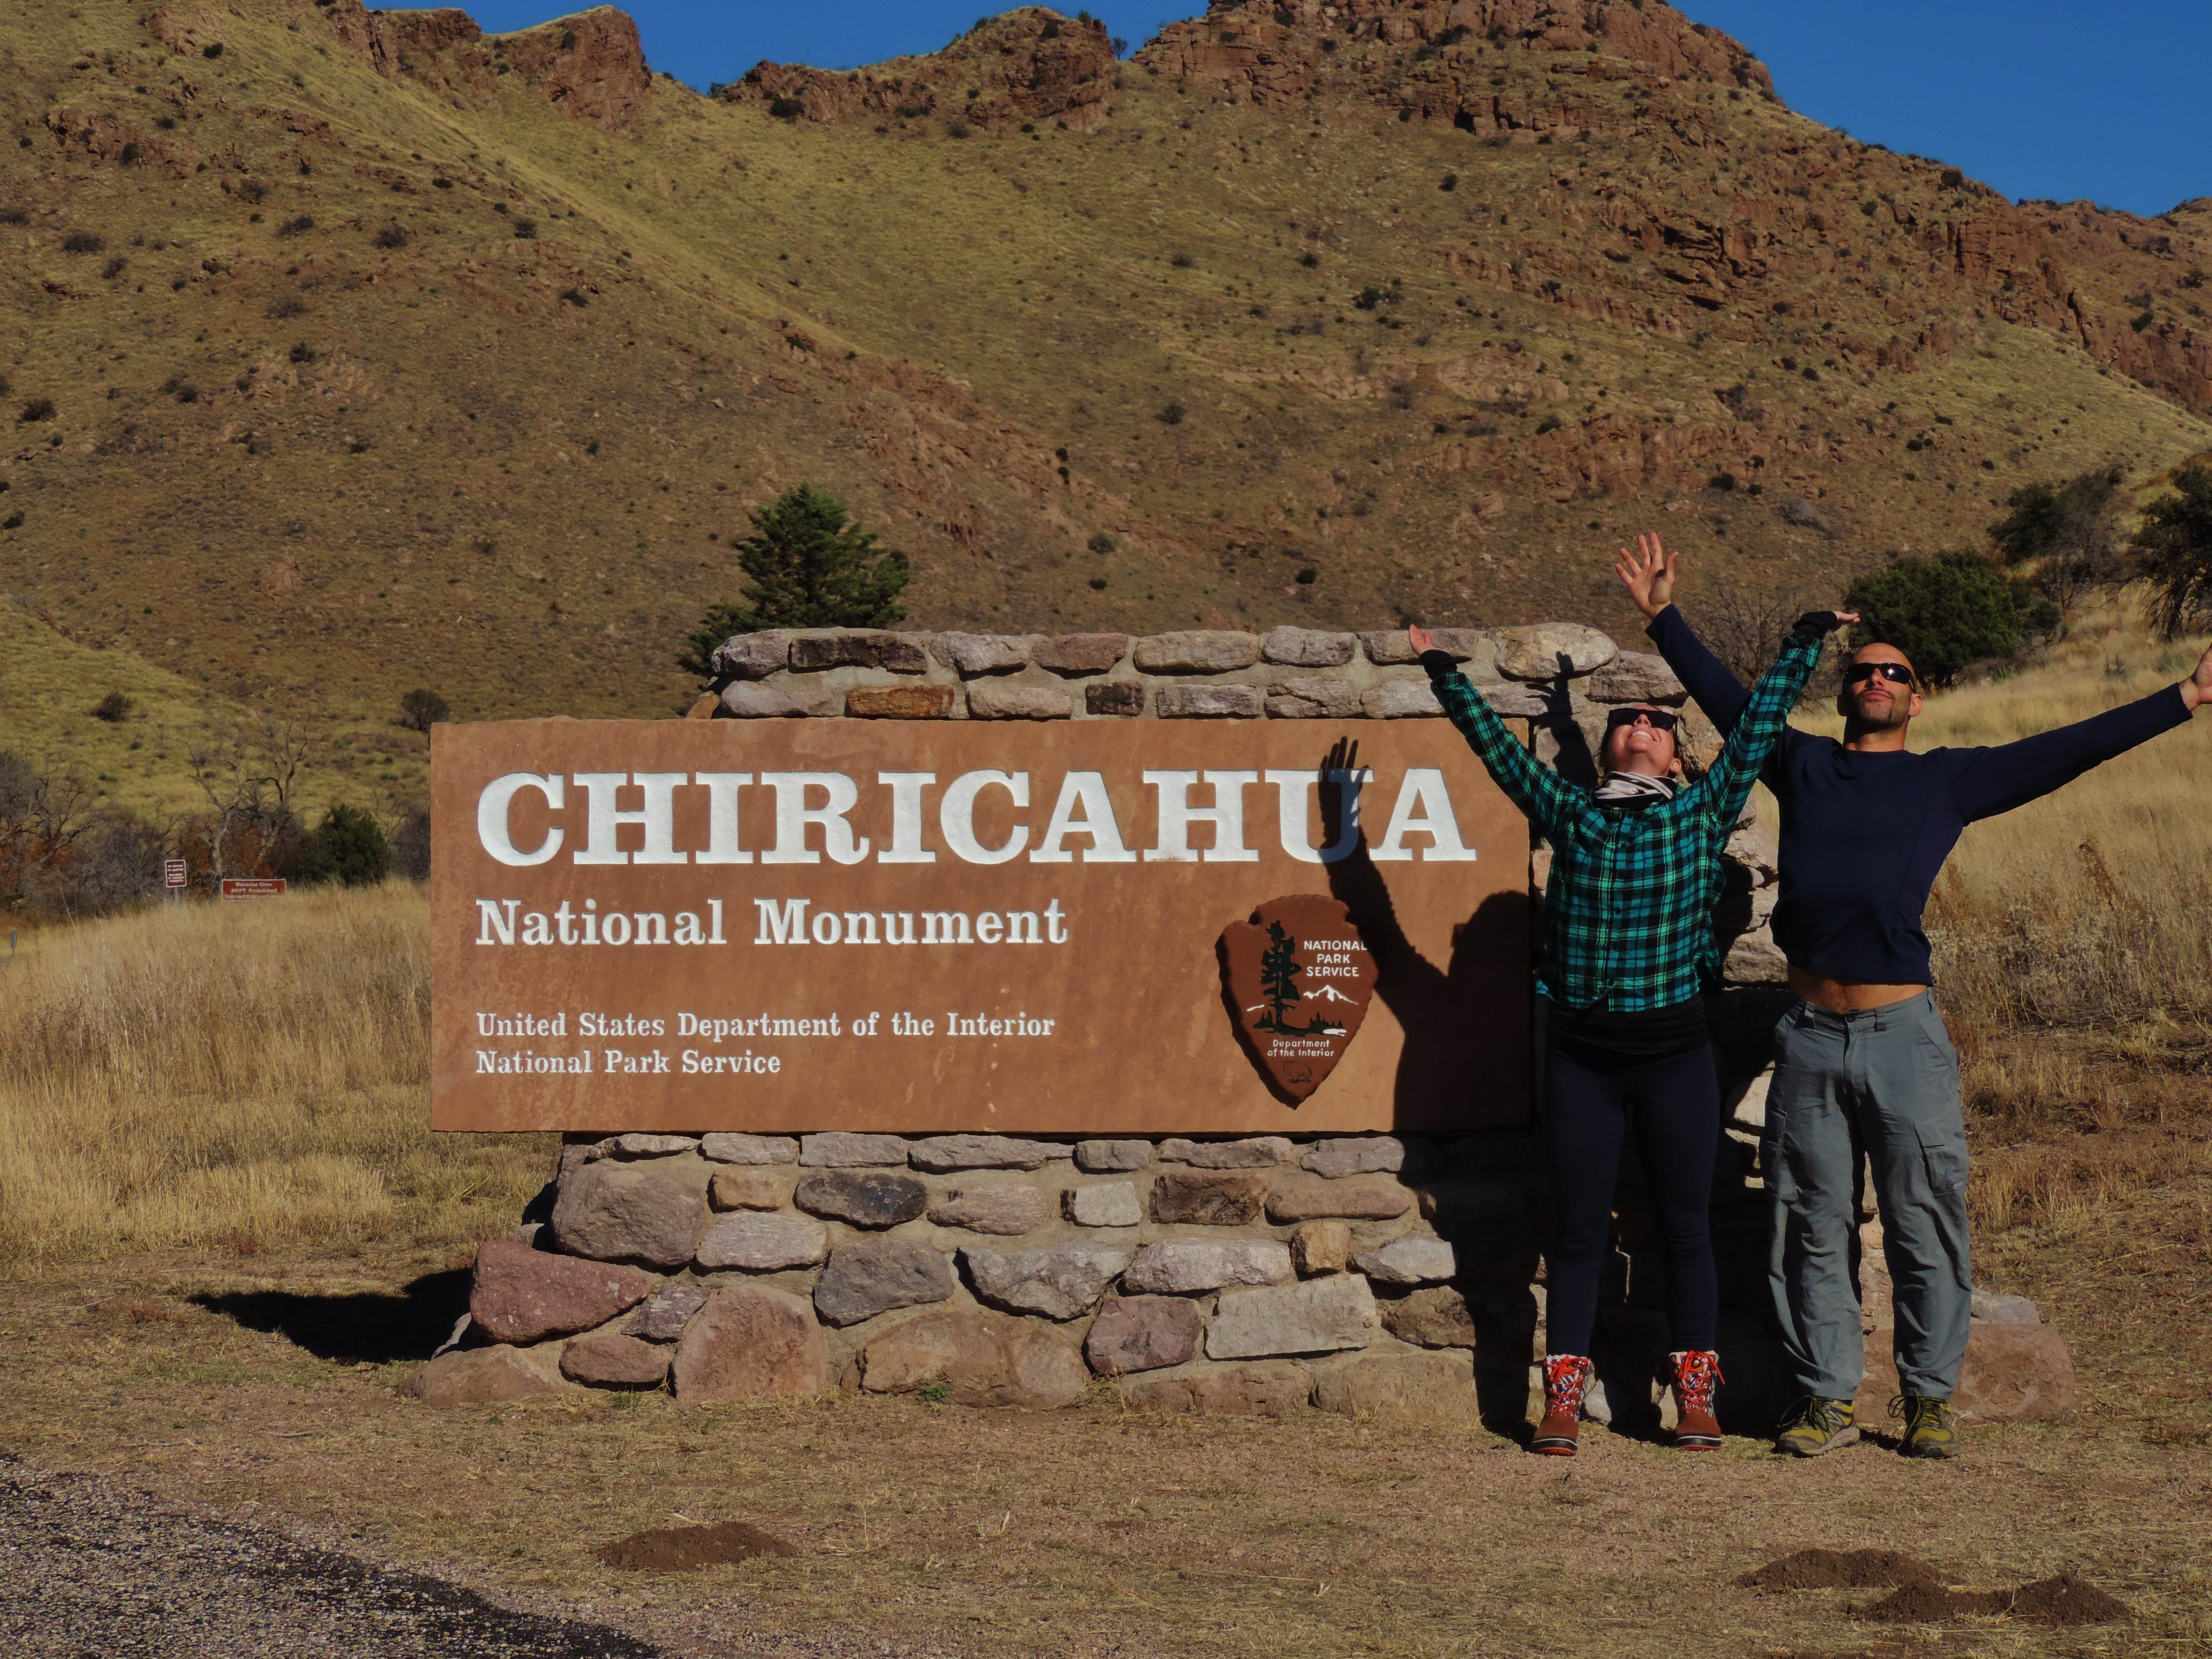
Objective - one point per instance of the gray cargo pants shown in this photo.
(1880, 1085)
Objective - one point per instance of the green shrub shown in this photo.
(785, 109)
(1947, 611)
(39, 409)
(114, 708)
(2072, 528)
(808, 566)
(2173, 551)
(82, 242)
(1102, 543)
(1367, 299)
(526, 230)
(349, 848)
(1172, 414)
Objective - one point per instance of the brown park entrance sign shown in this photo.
(928, 929)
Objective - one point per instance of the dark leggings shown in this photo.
(1677, 1106)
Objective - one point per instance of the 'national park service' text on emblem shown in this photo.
(1299, 977)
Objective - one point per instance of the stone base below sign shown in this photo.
(1369, 1275)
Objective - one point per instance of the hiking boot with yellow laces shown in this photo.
(1931, 1427)
(1816, 1425)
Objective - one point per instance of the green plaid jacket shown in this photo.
(1628, 913)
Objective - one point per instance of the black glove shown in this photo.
(1815, 624)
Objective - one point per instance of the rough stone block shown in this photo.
(942, 1154)
(1399, 700)
(1196, 652)
(662, 1317)
(1454, 1205)
(1312, 697)
(998, 700)
(1533, 652)
(970, 654)
(1388, 647)
(1353, 1155)
(2012, 1374)
(1307, 647)
(483, 1377)
(651, 1213)
(1637, 676)
(982, 1359)
(1478, 646)
(751, 656)
(743, 699)
(1315, 1316)
(751, 1342)
(1184, 1267)
(1253, 1152)
(1209, 702)
(609, 1360)
(1754, 958)
(857, 648)
(2005, 1309)
(1404, 1387)
(521, 1295)
(846, 1149)
(875, 1275)
(1273, 1388)
(645, 1145)
(1061, 1281)
(1434, 1317)
(750, 1149)
(1143, 1334)
(860, 1199)
(1409, 1261)
(899, 703)
(1322, 1247)
(1753, 848)
(1208, 1198)
(1112, 1156)
(1371, 1198)
(1001, 1210)
(1115, 699)
(754, 1242)
(1072, 656)
(750, 1189)
(1108, 1204)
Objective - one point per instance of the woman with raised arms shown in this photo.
(1628, 956)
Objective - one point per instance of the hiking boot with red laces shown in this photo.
(1697, 1374)
(1566, 1380)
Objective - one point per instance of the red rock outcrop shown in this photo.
(1031, 65)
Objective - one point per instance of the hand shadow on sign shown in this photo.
(358, 1326)
(1443, 1082)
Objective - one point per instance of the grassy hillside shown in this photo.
(326, 425)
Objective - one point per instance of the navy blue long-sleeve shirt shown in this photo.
(1864, 834)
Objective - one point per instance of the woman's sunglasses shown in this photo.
(1896, 673)
(1660, 718)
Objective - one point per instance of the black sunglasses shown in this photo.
(1896, 673)
(1660, 718)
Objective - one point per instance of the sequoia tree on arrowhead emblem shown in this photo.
(1299, 977)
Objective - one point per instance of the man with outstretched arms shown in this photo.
(1863, 1063)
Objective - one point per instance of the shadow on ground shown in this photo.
(362, 1327)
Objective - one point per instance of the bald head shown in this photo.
(1881, 692)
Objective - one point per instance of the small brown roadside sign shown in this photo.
(174, 872)
(253, 887)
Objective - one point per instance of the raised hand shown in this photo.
(2197, 688)
(1648, 574)
(1423, 640)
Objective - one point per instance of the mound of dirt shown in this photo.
(2065, 1601)
(687, 1549)
(1808, 1569)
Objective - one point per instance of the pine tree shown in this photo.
(1279, 972)
(808, 566)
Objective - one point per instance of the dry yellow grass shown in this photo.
(235, 1075)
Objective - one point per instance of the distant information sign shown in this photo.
(1082, 928)
(173, 873)
(251, 887)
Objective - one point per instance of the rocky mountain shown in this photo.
(348, 351)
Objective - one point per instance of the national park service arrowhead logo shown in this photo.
(1299, 977)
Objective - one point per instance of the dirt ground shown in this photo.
(265, 1390)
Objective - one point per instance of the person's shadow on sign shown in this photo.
(1445, 1082)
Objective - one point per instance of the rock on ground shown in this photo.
(521, 1295)
(751, 1342)
(1418, 1386)
(1270, 1388)
(2013, 1374)
(983, 1358)
(608, 1359)
(483, 1377)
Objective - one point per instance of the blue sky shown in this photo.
(2034, 97)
